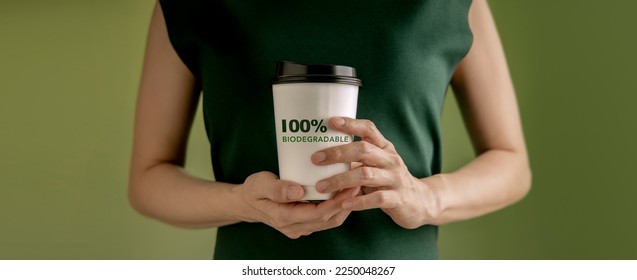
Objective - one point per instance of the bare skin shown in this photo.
(499, 176)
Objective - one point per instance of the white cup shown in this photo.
(305, 97)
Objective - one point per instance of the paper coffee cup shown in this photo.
(305, 97)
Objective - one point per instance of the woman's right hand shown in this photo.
(277, 203)
(160, 187)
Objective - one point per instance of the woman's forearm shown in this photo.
(493, 180)
(159, 187)
(500, 175)
(167, 193)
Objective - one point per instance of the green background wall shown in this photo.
(69, 72)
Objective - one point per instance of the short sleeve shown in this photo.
(181, 22)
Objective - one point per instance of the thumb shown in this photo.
(284, 192)
(270, 187)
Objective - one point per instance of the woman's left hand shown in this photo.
(380, 171)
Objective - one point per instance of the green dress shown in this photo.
(404, 52)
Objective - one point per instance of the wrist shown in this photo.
(241, 209)
(435, 204)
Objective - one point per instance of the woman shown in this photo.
(390, 204)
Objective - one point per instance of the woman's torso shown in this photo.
(405, 53)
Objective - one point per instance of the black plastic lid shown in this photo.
(290, 72)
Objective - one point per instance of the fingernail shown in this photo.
(338, 122)
(347, 205)
(294, 192)
(319, 157)
(322, 186)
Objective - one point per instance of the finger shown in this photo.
(331, 214)
(365, 129)
(307, 212)
(379, 199)
(359, 151)
(267, 185)
(293, 217)
(333, 205)
(362, 176)
(284, 192)
(335, 220)
(295, 231)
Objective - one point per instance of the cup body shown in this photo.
(302, 112)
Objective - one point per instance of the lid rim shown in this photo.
(317, 79)
(288, 72)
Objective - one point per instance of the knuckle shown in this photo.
(282, 194)
(326, 218)
(390, 146)
(259, 175)
(293, 235)
(366, 173)
(255, 179)
(409, 225)
(365, 147)
(366, 152)
(332, 223)
(279, 222)
(334, 154)
(396, 159)
(276, 224)
(337, 181)
(383, 198)
(337, 153)
(369, 124)
(297, 233)
(249, 181)
(338, 221)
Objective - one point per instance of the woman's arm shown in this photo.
(499, 176)
(159, 186)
